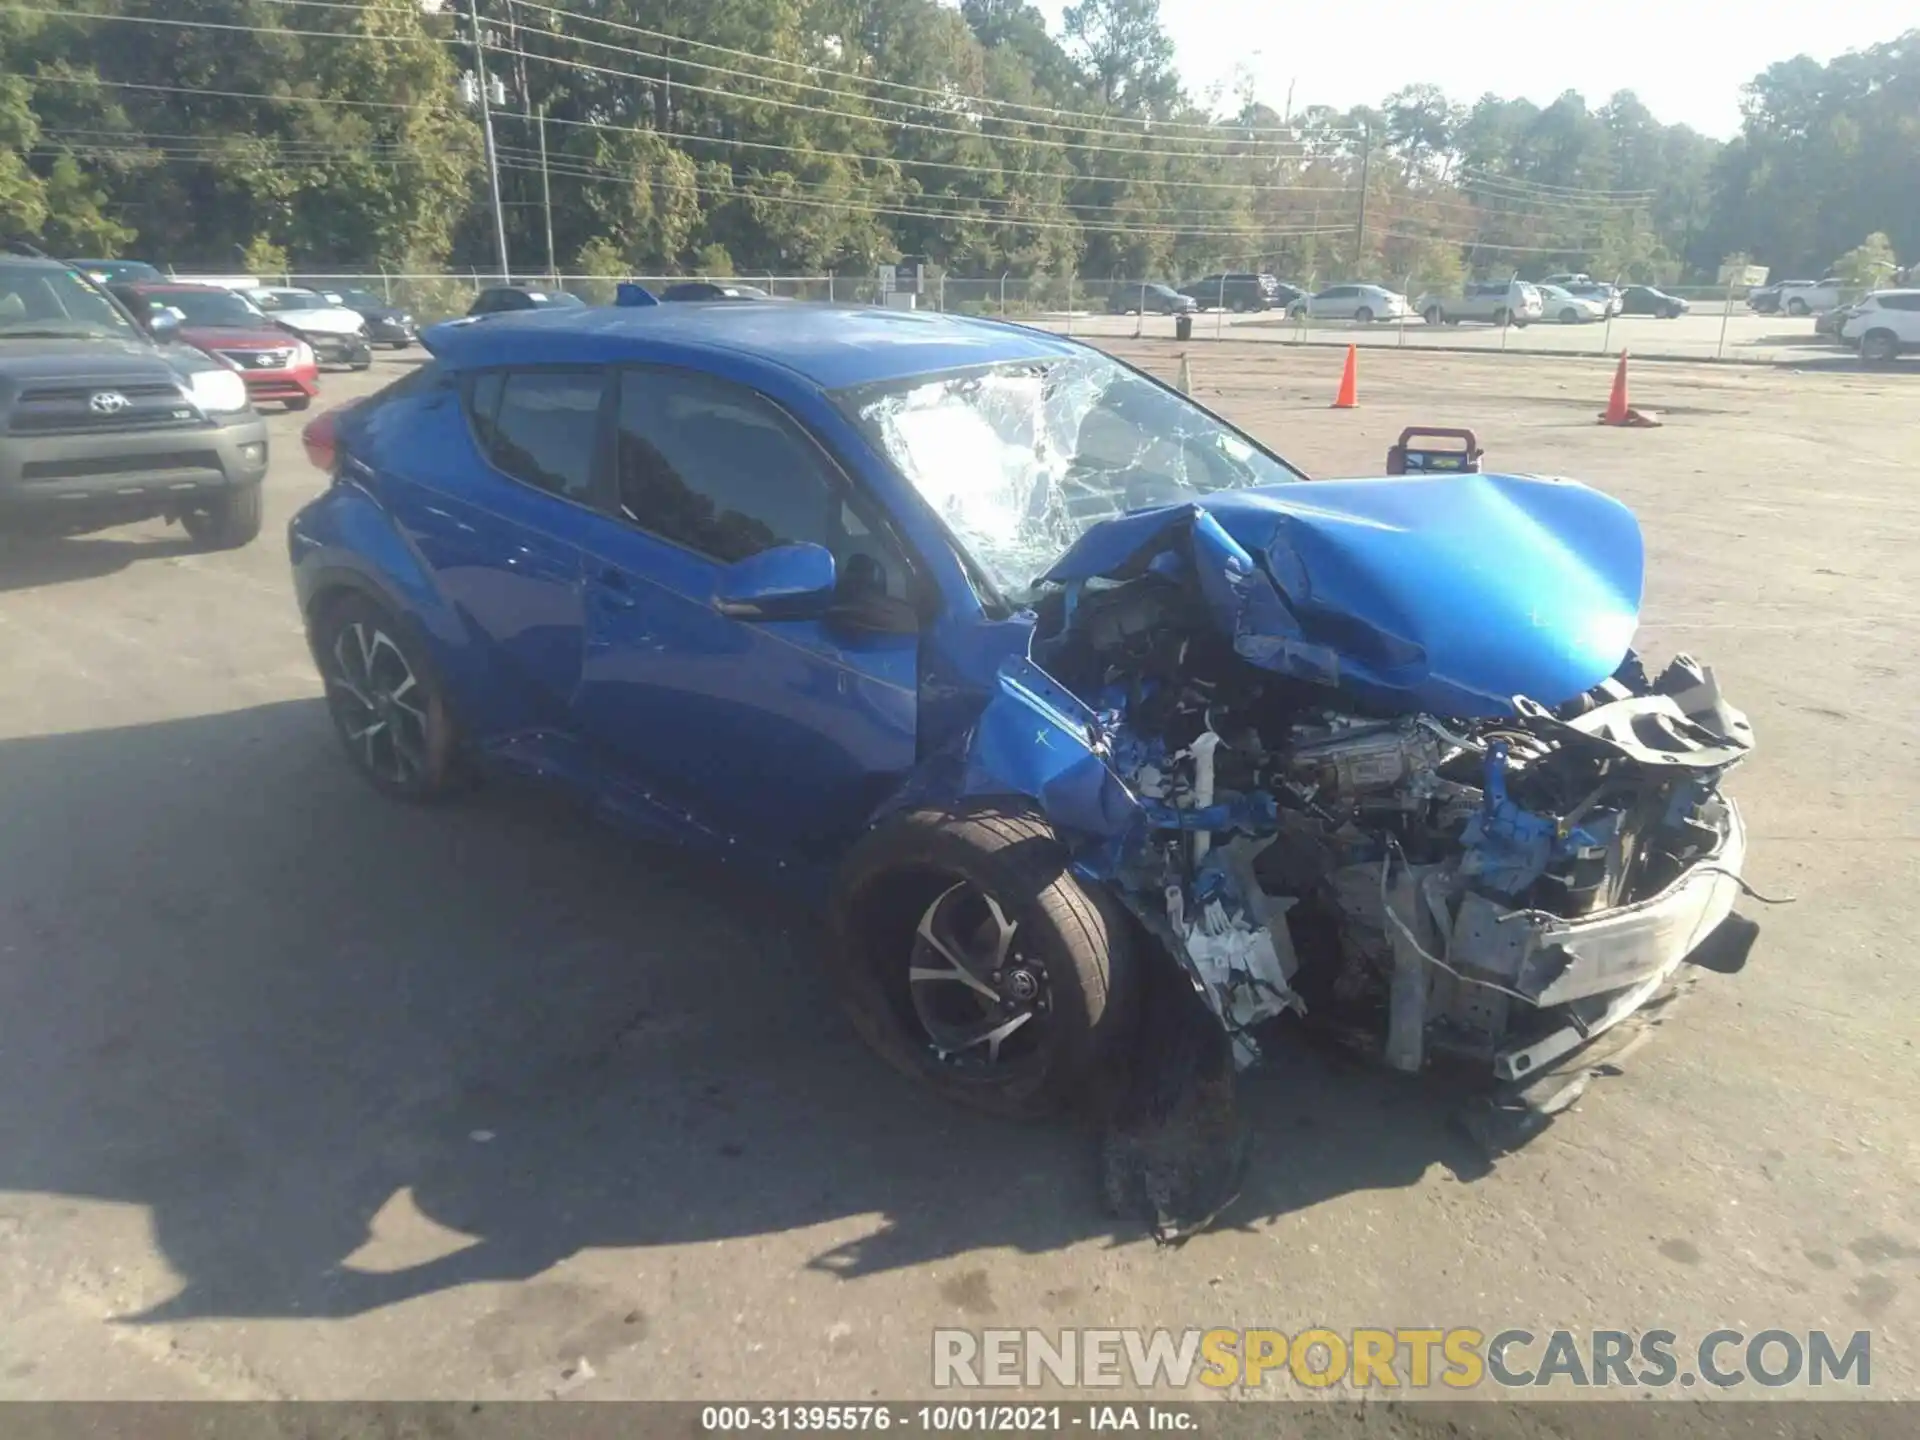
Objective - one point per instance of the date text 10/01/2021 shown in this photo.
(946, 1419)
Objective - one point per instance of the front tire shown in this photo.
(1569, 317)
(1797, 307)
(386, 703)
(227, 523)
(1363, 316)
(1434, 315)
(972, 959)
(299, 402)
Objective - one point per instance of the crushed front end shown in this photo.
(1376, 755)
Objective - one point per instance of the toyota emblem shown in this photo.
(107, 402)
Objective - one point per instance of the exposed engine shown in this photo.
(1501, 889)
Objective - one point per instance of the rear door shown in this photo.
(500, 492)
(779, 735)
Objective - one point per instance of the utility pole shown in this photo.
(486, 132)
(1366, 161)
(546, 193)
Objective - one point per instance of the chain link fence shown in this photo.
(1717, 322)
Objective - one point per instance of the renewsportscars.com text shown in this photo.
(1453, 1359)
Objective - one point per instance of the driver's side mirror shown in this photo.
(788, 582)
(165, 322)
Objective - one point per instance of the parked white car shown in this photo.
(1606, 296)
(1884, 325)
(338, 335)
(1569, 308)
(1810, 297)
(1364, 303)
(1495, 302)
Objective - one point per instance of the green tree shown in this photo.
(1871, 262)
(260, 256)
(1126, 53)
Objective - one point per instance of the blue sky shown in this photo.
(1687, 59)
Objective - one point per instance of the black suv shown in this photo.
(101, 425)
(497, 298)
(1237, 291)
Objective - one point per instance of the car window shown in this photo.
(718, 468)
(540, 426)
(215, 309)
(41, 299)
(1909, 301)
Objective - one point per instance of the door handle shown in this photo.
(615, 592)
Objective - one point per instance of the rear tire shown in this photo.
(387, 705)
(1434, 315)
(1037, 941)
(231, 521)
(1797, 307)
(1879, 347)
(1503, 317)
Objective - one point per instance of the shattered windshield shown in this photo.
(1022, 459)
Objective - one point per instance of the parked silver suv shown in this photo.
(1496, 302)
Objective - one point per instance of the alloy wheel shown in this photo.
(378, 703)
(979, 1000)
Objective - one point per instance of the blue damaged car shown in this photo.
(1055, 688)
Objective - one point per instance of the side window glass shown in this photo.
(723, 471)
(540, 426)
(712, 466)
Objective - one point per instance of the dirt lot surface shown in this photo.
(306, 1094)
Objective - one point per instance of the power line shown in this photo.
(1482, 177)
(578, 169)
(1145, 214)
(223, 94)
(921, 126)
(1216, 135)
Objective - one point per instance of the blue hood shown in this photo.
(1450, 594)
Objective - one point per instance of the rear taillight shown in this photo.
(317, 438)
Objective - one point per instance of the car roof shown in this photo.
(832, 345)
(170, 286)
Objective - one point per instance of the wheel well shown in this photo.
(325, 599)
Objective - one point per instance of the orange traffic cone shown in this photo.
(1349, 396)
(1618, 412)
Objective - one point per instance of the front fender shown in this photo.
(1036, 740)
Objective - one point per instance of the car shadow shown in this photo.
(31, 562)
(245, 993)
